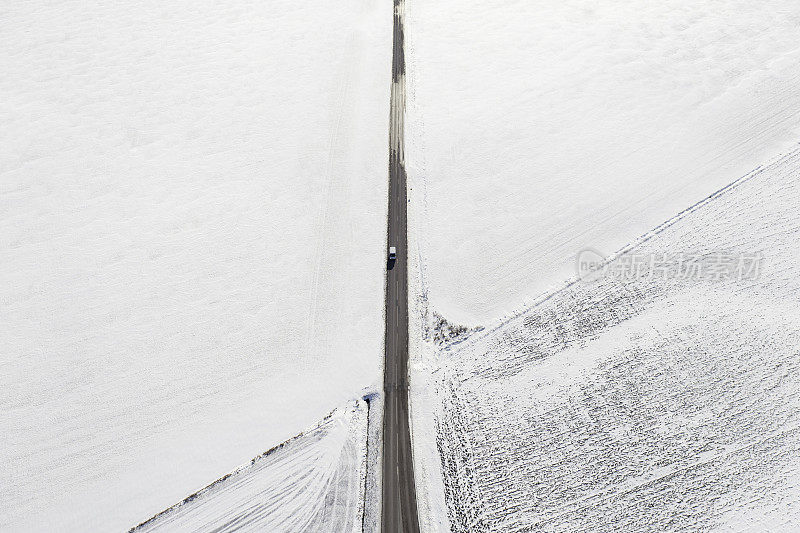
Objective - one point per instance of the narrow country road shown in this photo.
(399, 500)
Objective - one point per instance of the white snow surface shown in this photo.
(315, 482)
(647, 403)
(537, 128)
(192, 214)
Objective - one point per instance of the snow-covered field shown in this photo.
(536, 128)
(192, 210)
(660, 397)
(192, 236)
(314, 482)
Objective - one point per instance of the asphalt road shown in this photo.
(399, 506)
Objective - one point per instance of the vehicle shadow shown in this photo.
(390, 264)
